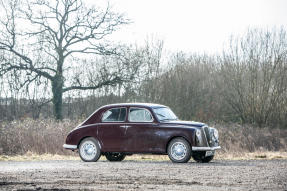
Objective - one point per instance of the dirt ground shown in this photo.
(144, 175)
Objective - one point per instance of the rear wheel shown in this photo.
(115, 156)
(199, 156)
(179, 150)
(89, 150)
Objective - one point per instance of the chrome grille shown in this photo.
(204, 136)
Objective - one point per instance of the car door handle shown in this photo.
(125, 126)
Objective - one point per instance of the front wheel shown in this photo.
(115, 156)
(199, 156)
(89, 150)
(179, 150)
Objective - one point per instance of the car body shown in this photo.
(118, 130)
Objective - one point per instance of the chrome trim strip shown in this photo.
(205, 148)
(66, 146)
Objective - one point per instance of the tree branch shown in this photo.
(111, 82)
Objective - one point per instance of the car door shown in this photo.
(142, 131)
(111, 132)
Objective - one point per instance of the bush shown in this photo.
(38, 136)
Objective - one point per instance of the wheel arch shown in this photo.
(88, 137)
(174, 137)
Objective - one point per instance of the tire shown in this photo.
(115, 156)
(199, 156)
(179, 150)
(89, 150)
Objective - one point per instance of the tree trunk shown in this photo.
(57, 89)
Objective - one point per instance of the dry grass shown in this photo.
(246, 138)
(251, 155)
(137, 157)
(29, 156)
(43, 139)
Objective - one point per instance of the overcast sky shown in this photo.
(196, 25)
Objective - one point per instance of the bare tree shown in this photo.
(254, 76)
(54, 34)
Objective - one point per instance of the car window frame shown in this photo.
(140, 121)
(114, 121)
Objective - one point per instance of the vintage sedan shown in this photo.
(118, 130)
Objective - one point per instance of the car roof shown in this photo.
(151, 105)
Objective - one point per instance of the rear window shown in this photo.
(115, 115)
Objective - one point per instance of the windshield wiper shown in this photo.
(168, 119)
(165, 119)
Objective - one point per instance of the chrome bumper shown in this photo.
(73, 147)
(205, 148)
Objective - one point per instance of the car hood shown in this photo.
(186, 123)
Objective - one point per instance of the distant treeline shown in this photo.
(246, 83)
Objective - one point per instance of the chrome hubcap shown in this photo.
(88, 150)
(178, 150)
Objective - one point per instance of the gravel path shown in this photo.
(144, 175)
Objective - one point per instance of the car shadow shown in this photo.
(191, 162)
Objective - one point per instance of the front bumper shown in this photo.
(72, 147)
(205, 148)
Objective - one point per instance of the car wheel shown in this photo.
(199, 156)
(179, 150)
(89, 150)
(115, 156)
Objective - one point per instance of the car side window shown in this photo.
(115, 115)
(140, 115)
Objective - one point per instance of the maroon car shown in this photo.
(123, 129)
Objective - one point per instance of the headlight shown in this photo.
(215, 133)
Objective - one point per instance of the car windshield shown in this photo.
(164, 113)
